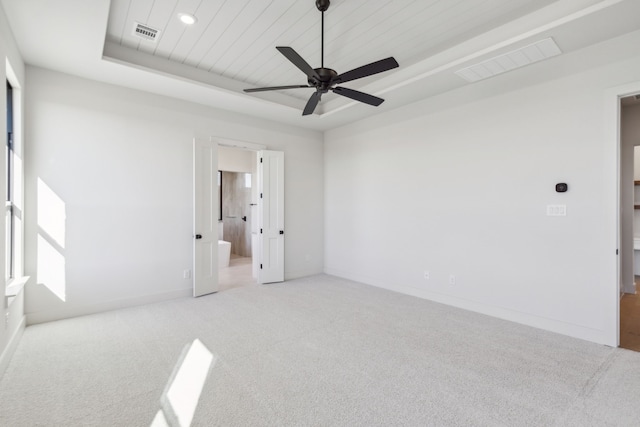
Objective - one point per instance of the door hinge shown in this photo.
(281, 231)
(260, 159)
(616, 252)
(261, 231)
(261, 195)
(260, 266)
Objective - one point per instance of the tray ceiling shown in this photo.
(236, 39)
(232, 45)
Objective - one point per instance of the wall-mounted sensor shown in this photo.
(561, 187)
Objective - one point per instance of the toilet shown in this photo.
(224, 253)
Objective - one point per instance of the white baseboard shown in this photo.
(12, 344)
(82, 310)
(290, 275)
(629, 288)
(552, 325)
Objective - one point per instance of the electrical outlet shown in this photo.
(452, 279)
(186, 274)
(426, 275)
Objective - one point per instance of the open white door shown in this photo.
(205, 221)
(271, 216)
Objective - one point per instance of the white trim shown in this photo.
(67, 311)
(18, 178)
(298, 274)
(11, 346)
(504, 313)
(611, 157)
(11, 75)
(15, 285)
(242, 145)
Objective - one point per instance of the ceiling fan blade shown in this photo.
(312, 103)
(358, 96)
(297, 60)
(367, 70)
(263, 89)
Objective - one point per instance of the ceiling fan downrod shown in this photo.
(322, 6)
(324, 79)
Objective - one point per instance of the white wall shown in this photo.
(12, 320)
(120, 161)
(463, 190)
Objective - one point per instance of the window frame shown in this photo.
(10, 211)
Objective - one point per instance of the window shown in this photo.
(13, 190)
(9, 209)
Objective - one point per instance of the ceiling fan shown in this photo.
(325, 79)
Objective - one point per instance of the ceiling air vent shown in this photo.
(526, 55)
(145, 32)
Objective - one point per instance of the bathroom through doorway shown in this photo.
(237, 217)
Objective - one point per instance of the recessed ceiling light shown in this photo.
(187, 18)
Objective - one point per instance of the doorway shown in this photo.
(237, 221)
(630, 222)
(266, 213)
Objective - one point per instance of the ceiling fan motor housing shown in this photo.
(325, 82)
(322, 5)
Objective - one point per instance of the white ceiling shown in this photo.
(232, 45)
(237, 39)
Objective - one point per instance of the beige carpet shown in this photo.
(319, 351)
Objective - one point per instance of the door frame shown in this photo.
(245, 146)
(612, 171)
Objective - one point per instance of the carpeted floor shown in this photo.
(319, 351)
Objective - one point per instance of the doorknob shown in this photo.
(198, 236)
(244, 218)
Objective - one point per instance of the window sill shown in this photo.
(15, 286)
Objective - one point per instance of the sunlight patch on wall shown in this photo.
(51, 268)
(51, 213)
(51, 240)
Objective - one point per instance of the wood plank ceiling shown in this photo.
(237, 38)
